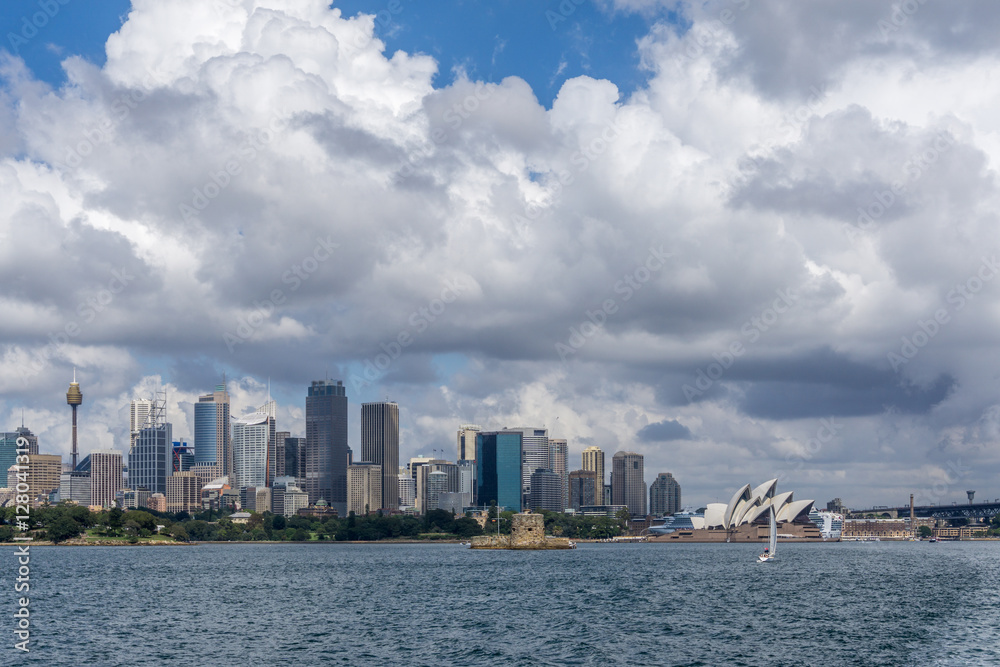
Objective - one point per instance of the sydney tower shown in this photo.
(74, 398)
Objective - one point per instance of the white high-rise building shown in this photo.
(364, 488)
(252, 450)
(593, 460)
(105, 476)
(138, 417)
(467, 441)
(407, 490)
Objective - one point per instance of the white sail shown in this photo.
(773, 541)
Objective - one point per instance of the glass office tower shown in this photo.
(498, 469)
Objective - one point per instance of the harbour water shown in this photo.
(866, 604)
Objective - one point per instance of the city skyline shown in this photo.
(642, 225)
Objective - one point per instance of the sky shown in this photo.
(746, 240)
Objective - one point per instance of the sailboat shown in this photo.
(772, 546)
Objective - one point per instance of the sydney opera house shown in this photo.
(745, 517)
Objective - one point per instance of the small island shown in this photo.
(527, 532)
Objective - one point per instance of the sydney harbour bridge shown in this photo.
(970, 510)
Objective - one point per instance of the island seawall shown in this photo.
(527, 531)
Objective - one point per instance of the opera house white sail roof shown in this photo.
(749, 506)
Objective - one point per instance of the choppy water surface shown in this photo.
(640, 604)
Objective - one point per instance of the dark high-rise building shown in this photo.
(290, 457)
(151, 460)
(279, 454)
(627, 485)
(326, 444)
(498, 469)
(546, 491)
(212, 439)
(380, 444)
(583, 489)
(664, 495)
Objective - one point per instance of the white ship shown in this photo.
(830, 524)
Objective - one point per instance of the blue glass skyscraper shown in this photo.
(498, 469)
(212, 443)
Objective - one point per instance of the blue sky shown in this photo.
(489, 40)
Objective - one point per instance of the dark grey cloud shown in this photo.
(664, 431)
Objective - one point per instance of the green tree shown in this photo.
(6, 534)
(623, 518)
(179, 533)
(278, 522)
(925, 531)
(467, 527)
(114, 520)
(62, 529)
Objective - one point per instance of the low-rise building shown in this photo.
(157, 502)
(183, 492)
(881, 529)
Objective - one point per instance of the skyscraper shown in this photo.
(74, 398)
(546, 491)
(423, 473)
(437, 485)
(593, 459)
(664, 495)
(183, 456)
(8, 446)
(105, 476)
(183, 492)
(150, 461)
(535, 452)
(138, 415)
(212, 441)
(380, 444)
(43, 472)
(627, 484)
(559, 464)
(279, 453)
(467, 441)
(583, 489)
(498, 469)
(252, 450)
(326, 444)
(364, 488)
(407, 491)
